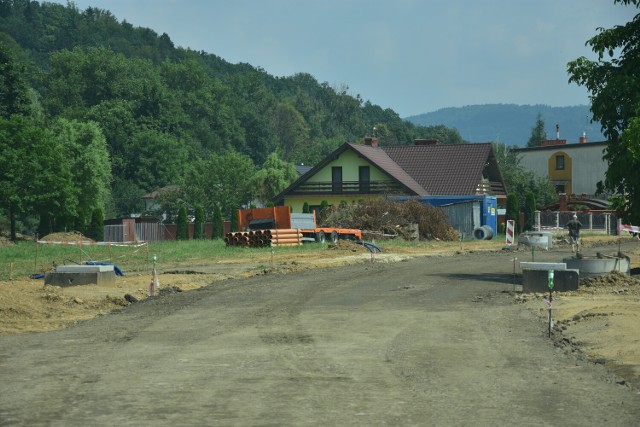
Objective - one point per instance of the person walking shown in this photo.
(574, 227)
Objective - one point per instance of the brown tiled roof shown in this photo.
(445, 169)
(381, 159)
(437, 170)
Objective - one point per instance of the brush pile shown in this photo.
(385, 218)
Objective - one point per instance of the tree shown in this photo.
(538, 134)
(167, 203)
(521, 181)
(35, 175)
(218, 225)
(86, 152)
(157, 159)
(614, 85)
(274, 176)
(225, 180)
(529, 210)
(13, 85)
(292, 132)
(96, 228)
(198, 223)
(182, 224)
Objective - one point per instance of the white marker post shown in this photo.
(550, 301)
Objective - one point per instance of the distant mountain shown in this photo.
(511, 124)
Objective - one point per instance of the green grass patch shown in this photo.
(26, 258)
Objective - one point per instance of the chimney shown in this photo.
(583, 138)
(557, 131)
(564, 205)
(370, 141)
(432, 141)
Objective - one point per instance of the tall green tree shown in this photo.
(86, 151)
(292, 132)
(218, 224)
(529, 210)
(13, 84)
(198, 223)
(613, 82)
(538, 134)
(158, 159)
(182, 224)
(35, 175)
(96, 228)
(274, 176)
(225, 180)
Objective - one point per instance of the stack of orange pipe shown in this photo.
(264, 238)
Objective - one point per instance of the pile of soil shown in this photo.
(5, 241)
(66, 236)
(614, 282)
(5, 238)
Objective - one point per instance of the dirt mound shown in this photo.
(347, 245)
(5, 241)
(5, 238)
(67, 236)
(610, 281)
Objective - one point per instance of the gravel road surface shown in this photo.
(430, 341)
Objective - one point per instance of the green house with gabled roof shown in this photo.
(355, 172)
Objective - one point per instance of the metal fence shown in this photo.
(144, 232)
(604, 222)
(464, 216)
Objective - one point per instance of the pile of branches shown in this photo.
(387, 218)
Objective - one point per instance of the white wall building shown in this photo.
(573, 168)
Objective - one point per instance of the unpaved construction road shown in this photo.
(430, 341)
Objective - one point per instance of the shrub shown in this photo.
(529, 210)
(96, 228)
(198, 223)
(218, 227)
(182, 226)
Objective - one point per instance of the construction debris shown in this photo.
(381, 218)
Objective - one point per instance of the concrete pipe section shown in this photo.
(599, 264)
(539, 239)
(483, 233)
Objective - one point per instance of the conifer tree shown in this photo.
(182, 225)
(218, 229)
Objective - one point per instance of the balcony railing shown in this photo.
(350, 187)
(490, 187)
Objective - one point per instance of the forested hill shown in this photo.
(511, 124)
(170, 115)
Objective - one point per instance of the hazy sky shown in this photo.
(413, 56)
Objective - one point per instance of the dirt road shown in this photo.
(430, 341)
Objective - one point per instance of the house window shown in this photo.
(560, 162)
(364, 178)
(560, 188)
(336, 179)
